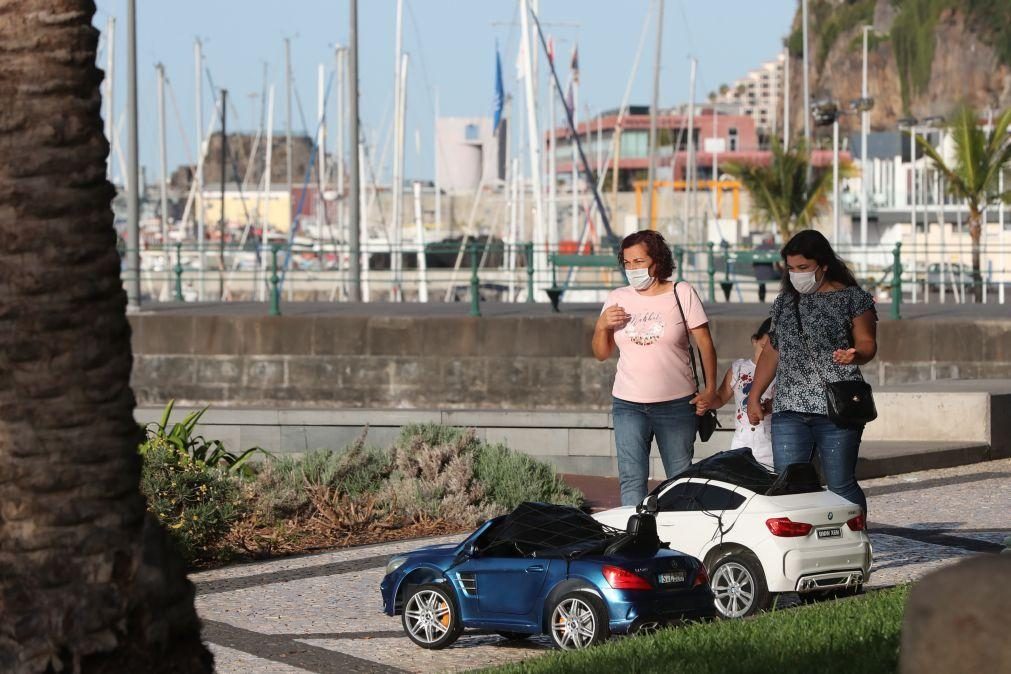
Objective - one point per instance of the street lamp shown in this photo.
(863, 105)
(910, 124)
(867, 103)
(826, 112)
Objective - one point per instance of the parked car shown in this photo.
(546, 569)
(759, 533)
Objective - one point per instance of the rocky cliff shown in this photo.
(925, 56)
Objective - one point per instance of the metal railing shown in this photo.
(482, 270)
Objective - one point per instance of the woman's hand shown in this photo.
(756, 411)
(844, 356)
(613, 318)
(705, 401)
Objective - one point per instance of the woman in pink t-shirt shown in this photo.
(654, 393)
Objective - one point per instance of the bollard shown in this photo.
(711, 271)
(475, 283)
(275, 288)
(896, 281)
(679, 259)
(179, 272)
(528, 249)
(726, 284)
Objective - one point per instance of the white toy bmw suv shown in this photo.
(757, 532)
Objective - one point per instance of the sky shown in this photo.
(451, 46)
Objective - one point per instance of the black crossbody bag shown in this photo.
(707, 423)
(850, 403)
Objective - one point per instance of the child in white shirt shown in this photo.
(737, 385)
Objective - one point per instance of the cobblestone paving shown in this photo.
(320, 613)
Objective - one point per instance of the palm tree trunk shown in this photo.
(975, 234)
(86, 581)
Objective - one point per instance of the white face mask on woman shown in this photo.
(639, 278)
(805, 282)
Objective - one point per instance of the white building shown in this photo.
(467, 150)
(759, 94)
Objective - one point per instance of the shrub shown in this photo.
(203, 452)
(433, 476)
(283, 484)
(195, 502)
(510, 478)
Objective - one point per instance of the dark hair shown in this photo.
(763, 329)
(657, 249)
(813, 245)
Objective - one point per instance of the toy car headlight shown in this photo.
(394, 564)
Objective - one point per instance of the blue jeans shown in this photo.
(672, 423)
(796, 436)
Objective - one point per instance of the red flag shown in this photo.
(551, 50)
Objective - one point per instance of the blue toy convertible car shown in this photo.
(546, 569)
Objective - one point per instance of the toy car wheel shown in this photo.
(578, 620)
(515, 636)
(430, 617)
(738, 585)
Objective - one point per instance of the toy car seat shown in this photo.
(640, 537)
(796, 478)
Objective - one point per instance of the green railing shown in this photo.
(489, 271)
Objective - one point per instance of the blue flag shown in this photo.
(499, 91)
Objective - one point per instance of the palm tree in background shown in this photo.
(780, 193)
(978, 161)
(87, 582)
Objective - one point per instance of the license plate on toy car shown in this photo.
(672, 578)
(829, 533)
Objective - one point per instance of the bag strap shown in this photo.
(688, 336)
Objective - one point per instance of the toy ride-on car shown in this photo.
(546, 569)
(760, 533)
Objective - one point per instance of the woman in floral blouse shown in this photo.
(839, 335)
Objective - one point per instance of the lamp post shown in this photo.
(826, 112)
(910, 124)
(865, 118)
(863, 106)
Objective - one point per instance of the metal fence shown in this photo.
(491, 270)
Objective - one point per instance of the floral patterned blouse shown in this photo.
(828, 325)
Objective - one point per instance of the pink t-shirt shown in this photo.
(653, 346)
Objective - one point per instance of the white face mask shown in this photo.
(804, 282)
(639, 278)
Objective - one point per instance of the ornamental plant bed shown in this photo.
(220, 507)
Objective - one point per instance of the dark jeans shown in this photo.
(672, 423)
(795, 438)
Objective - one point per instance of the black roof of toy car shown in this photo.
(738, 466)
(544, 529)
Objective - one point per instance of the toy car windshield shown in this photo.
(738, 466)
(545, 530)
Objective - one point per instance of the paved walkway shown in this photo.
(320, 613)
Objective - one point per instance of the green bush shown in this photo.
(282, 484)
(507, 477)
(181, 436)
(510, 478)
(195, 502)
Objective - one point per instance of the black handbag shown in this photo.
(850, 404)
(707, 423)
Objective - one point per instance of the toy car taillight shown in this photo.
(857, 523)
(784, 526)
(701, 576)
(620, 579)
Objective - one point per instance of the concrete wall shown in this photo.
(455, 362)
